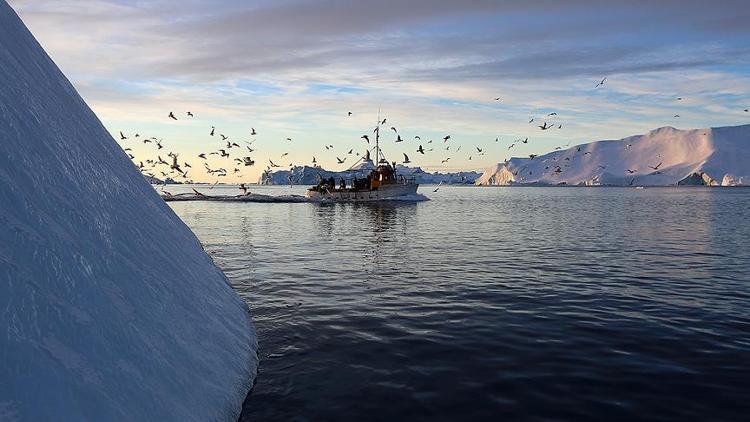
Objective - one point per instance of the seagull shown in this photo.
(289, 139)
(350, 151)
(366, 138)
(122, 137)
(350, 113)
(631, 171)
(552, 114)
(420, 150)
(171, 116)
(213, 130)
(398, 139)
(479, 150)
(438, 187)
(497, 98)
(657, 166)
(676, 115)
(447, 138)
(601, 83)
(544, 126)
(445, 161)
(158, 144)
(679, 98)
(190, 114)
(314, 161)
(383, 122)
(340, 160)
(417, 137)
(393, 128)
(224, 137)
(525, 141)
(532, 156)
(224, 153)
(284, 154)
(406, 159)
(272, 164)
(253, 132)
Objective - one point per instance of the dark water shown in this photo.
(491, 304)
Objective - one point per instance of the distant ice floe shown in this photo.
(258, 198)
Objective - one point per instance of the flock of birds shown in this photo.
(236, 157)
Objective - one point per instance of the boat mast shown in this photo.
(377, 141)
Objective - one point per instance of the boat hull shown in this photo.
(384, 193)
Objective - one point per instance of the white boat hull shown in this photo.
(384, 193)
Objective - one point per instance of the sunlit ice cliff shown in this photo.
(662, 157)
(109, 307)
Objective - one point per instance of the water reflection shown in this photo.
(482, 304)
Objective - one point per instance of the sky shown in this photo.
(296, 68)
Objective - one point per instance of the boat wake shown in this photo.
(253, 197)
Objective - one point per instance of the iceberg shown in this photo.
(110, 309)
(306, 175)
(662, 157)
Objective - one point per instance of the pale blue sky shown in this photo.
(295, 68)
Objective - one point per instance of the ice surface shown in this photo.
(666, 156)
(109, 307)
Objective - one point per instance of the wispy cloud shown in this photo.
(297, 66)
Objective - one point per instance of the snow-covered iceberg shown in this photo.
(663, 157)
(109, 307)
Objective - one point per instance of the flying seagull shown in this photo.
(406, 159)
(171, 116)
(601, 83)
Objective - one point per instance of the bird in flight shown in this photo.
(479, 150)
(189, 114)
(497, 98)
(122, 137)
(447, 138)
(289, 139)
(420, 150)
(601, 83)
(438, 187)
(406, 159)
(350, 113)
(340, 160)
(253, 132)
(366, 138)
(631, 171)
(398, 139)
(445, 161)
(657, 166)
(171, 116)
(545, 126)
(202, 155)
(213, 130)
(393, 128)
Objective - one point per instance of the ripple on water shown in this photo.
(534, 303)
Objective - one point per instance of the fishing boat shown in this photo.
(368, 181)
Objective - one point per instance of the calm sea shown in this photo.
(493, 303)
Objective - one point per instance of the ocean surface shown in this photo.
(493, 303)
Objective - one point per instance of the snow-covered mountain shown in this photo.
(305, 175)
(666, 156)
(109, 307)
